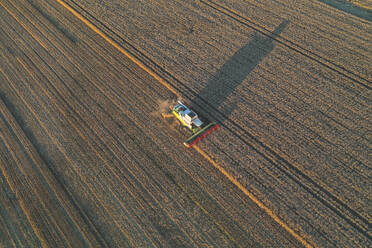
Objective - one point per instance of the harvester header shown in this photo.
(195, 138)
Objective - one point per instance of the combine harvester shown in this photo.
(190, 119)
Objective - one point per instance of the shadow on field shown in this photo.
(54, 22)
(350, 8)
(235, 70)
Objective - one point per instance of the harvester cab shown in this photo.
(187, 117)
(191, 120)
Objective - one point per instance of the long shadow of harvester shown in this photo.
(235, 70)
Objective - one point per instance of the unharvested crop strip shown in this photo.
(157, 77)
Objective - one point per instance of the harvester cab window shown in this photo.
(192, 114)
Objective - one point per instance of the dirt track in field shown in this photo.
(87, 161)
